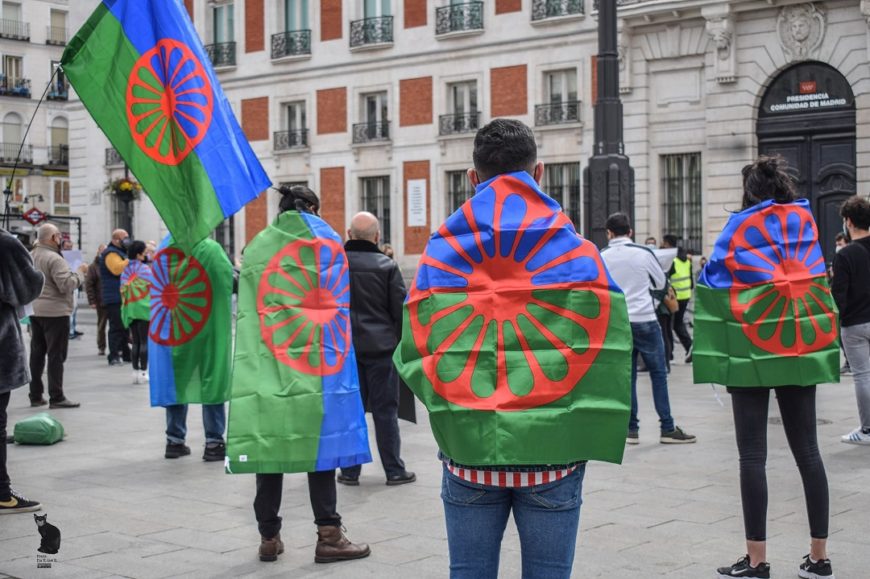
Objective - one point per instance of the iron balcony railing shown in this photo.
(58, 155)
(284, 140)
(371, 31)
(367, 132)
(59, 91)
(9, 152)
(557, 113)
(543, 9)
(56, 35)
(14, 29)
(113, 157)
(291, 43)
(459, 18)
(14, 87)
(222, 53)
(618, 3)
(459, 123)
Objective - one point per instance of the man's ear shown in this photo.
(473, 178)
(349, 236)
(538, 172)
(378, 237)
(631, 233)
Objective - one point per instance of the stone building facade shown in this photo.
(374, 104)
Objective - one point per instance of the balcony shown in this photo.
(456, 124)
(9, 152)
(557, 113)
(459, 18)
(58, 155)
(221, 54)
(14, 87)
(286, 140)
(618, 3)
(371, 31)
(113, 157)
(56, 35)
(544, 9)
(59, 91)
(291, 43)
(14, 29)
(369, 132)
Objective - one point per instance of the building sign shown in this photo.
(34, 216)
(807, 87)
(417, 203)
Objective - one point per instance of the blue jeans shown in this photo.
(213, 421)
(648, 343)
(547, 518)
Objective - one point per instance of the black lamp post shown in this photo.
(609, 178)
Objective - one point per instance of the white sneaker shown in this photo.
(136, 376)
(857, 436)
(143, 376)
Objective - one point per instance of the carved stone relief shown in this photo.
(801, 30)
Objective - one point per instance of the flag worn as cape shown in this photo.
(190, 337)
(135, 292)
(515, 337)
(142, 72)
(764, 315)
(295, 404)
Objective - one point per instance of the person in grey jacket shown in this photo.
(20, 284)
(49, 324)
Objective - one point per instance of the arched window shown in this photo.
(10, 138)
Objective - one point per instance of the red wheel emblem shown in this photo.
(303, 301)
(779, 295)
(180, 298)
(514, 319)
(169, 102)
(134, 282)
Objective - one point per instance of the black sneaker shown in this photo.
(401, 479)
(820, 569)
(688, 358)
(677, 436)
(742, 568)
(350, 481)
(18, 504)
(633, 437)
(214, 451)
(174, 450)
(115, 362)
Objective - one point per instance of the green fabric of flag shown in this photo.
(135, 292)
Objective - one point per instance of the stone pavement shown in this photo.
(124, 510)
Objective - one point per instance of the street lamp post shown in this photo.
(609, 178)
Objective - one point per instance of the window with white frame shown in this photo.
(560, 86)
(375, 125)
(462, 97)
(562, 183)
(11, 138)
(459, 190)
(13, 69)
(681, 199)
(57, 32)
(223, 23)
(60, 197)
(375, 199)
(375, 107)
(296, 127)
(296, 15)
(376, 8)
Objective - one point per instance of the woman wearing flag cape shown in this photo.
(295, 403)
(765, 320)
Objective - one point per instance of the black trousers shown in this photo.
(680, 328)
(5, 484)
(139, 330)
(119, 346)
(797, 406)
(379, 388)
(49, 337)
(267, 503)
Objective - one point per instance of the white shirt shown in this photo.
(636, 271)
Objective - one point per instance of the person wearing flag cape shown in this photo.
(765, 320)
(517, 341)
(295, 403)
(136, 307)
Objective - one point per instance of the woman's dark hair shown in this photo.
(767, 178)
(136, 248)
(857, 210)
(298, 198)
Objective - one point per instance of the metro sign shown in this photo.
(34, 216)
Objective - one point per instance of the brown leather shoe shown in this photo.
(333, 546)
(271, 548)
(40, 402)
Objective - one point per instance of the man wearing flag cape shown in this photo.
(295, 404)
(517, 341)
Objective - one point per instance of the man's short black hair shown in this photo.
(856, 209)
(618, 224)
(841, 237)
(504, 146)
(670, 239)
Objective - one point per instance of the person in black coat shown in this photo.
(377, 293)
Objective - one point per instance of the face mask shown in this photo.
(126, 243)
(838, 248)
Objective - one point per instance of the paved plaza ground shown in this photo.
(669, 511)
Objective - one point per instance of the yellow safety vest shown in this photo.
(681, 280)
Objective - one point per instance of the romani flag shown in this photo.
(190, 336)
(764, 315)
(295, 404)
(142, 73)
(135, 292)
(515, 337)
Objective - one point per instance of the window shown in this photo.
(122, 214)
(57, 28)
(375, 107)
(376, 200)
(11, 137)
(223, 27)
(13, 69)
(59, 150)
(61, 198)
(225, 234)
(296, 133)
(681, 191)
(562, 183)
(375, 125)
(296, 116)
(462, 97)
(376, 8)
(295, 15)
(17, 188)
(561, 86)
(459, 190)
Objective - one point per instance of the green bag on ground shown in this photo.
(41, 428)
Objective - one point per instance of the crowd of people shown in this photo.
(396, 340)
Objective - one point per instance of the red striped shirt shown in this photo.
(510, 479)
